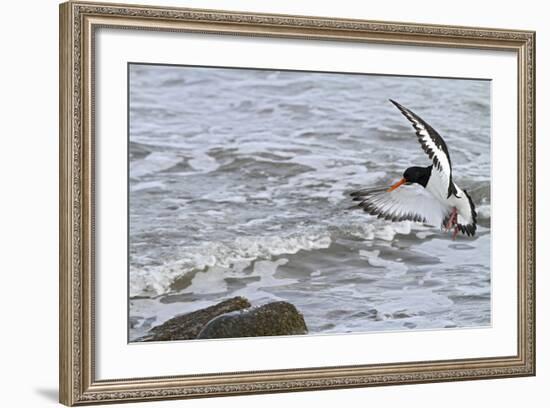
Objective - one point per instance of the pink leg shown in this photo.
(455, 233)
(452, 219)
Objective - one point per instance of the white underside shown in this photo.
(460, 201)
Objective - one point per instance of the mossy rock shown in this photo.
(272, 319)
(187, 326)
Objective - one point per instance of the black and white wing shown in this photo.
(409, 202)
(436, 149)
(466, 220)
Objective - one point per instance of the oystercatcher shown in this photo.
(424, 194)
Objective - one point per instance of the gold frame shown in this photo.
(78, 21)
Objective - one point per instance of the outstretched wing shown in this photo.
(467, 216)
(409, 202)
(434, 146)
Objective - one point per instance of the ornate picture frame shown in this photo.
(79, 22)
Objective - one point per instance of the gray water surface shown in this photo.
(238, 186)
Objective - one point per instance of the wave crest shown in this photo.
(158, 280)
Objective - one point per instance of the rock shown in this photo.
(187, 326)
(272, 319)
(231, 318)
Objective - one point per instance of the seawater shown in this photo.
(238, 185)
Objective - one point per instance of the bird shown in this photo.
(427, 194)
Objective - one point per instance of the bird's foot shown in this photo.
(455, 233)
(452, 219)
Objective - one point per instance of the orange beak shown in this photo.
(399, 183)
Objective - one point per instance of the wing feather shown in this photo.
(409, 202)
(434, 146)
(467, 215)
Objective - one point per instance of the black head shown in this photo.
(418, 175)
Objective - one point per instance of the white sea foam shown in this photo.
(203, 162)
(417, 301)
(217, 258)
(451, 252)
(424, 234)
(369, 228)
(147, 185)
(393, 268)
(484, 211)
(260, 289)
(411, 303)
(153, 163)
